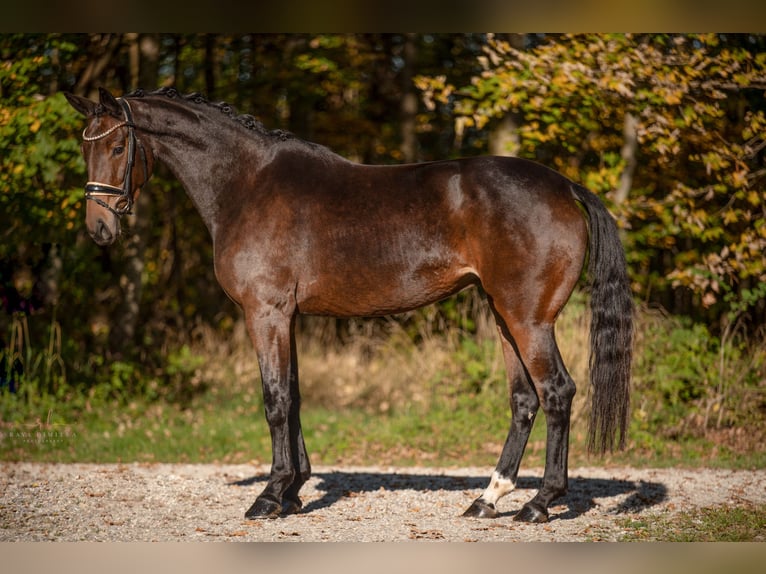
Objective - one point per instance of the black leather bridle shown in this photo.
(94, 189)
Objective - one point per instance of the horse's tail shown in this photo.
(611, 329)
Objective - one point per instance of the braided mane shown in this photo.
(246, 120)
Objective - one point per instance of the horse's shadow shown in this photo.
(580, 499)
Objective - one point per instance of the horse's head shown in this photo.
(118, 165)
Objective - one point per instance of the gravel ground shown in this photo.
(190, 502)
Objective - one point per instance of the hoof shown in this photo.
(530, 513)
(263, 508)
(480, 509)
(291, 507)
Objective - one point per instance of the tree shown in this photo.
(667, 128)
(48, 268)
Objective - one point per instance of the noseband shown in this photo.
(94, 189)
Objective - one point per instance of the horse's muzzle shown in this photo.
(103, 234)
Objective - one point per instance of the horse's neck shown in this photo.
(193, 167)
(204, 157)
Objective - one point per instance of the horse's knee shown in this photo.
(276, 410)
(524, 402)
(526, 405)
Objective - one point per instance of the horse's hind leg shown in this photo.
(538, 377)
(524, 406)
(555, 390)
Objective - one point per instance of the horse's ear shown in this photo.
(82, 105)
(110, 103)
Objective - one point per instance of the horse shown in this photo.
(297, 229)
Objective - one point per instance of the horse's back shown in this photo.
(417, 233)
(372, 240)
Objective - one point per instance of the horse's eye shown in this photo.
(118, 150)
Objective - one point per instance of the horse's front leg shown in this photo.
(272, 333)
(291, 502)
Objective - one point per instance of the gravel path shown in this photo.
(177, 502)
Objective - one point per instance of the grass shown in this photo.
(229, 428)
(419, 390)
(232, 431)
(745, 523)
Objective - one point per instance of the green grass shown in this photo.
(746, 523)
(231, 428)
(398, 393)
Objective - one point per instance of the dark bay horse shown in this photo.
(298, 229)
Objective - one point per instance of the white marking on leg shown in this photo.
(498, 487)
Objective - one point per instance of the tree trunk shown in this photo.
(144, 67)
(210, 40)
(301, 105)
(409, 102)
(504, 136)
(103, 49)
(629, 150)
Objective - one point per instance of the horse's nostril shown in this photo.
(102, 234)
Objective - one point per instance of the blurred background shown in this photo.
(668, 129)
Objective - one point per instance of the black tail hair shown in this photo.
(611, 330)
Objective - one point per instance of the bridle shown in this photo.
(95, 189)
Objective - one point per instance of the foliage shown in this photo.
(686, 380)
(31, 373)
(44, 261)
(694, 217)
(40, 165)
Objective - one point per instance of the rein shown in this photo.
(94, 189)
